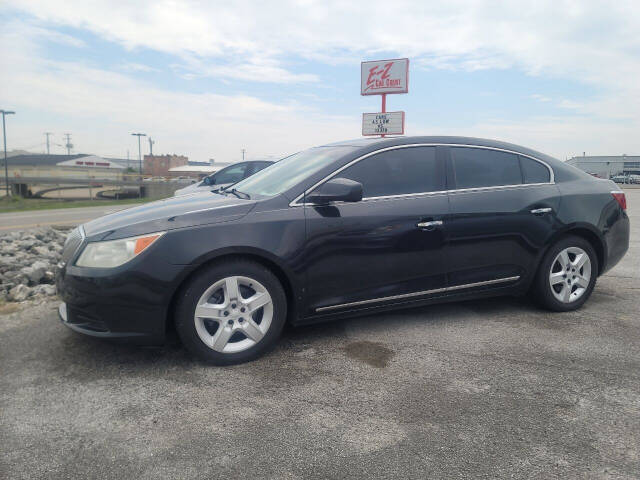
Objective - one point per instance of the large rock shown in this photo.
(43, 252)
(19, 293)
(36, 272)
(44, 290)
(27, 244)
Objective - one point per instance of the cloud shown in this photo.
(136, 67)
(259, 70)
(540, 98)
(562, 36)
(594, 42)
(102, 107)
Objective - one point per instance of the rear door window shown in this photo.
(481, 167)
(398, 172)
(533, 171)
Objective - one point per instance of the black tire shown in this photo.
(542, 289)
(191, 293)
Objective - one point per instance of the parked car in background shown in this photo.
(619, 179)
(344, 229)
(226, 176)
(626, 179)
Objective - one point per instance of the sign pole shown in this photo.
(384, 107)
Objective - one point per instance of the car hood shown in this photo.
(199, 187)
(194, 187)
(176, 212)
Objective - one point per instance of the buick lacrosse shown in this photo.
(343, 229)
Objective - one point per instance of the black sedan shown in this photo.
(343, 229)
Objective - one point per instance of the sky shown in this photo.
(207, 79)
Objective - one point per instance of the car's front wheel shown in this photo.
(567, 275)
(232, 312)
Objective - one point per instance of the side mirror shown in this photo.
(207, 181)
(336, 190)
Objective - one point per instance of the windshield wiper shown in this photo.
(238, 193)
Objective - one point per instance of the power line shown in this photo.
(32, 146)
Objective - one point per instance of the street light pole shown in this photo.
(4, 135)
(139, 149)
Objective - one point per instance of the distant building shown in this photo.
(198, 169)
(131, 163)
(607, 166)
(159, 165)
(91, 161)
(63, 166)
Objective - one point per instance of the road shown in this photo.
(481, 389)
(61, 216)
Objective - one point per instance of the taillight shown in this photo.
(621, 199)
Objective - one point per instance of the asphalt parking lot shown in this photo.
(483, 389)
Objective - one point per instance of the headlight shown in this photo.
(113, 253)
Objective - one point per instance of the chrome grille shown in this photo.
(71, 244)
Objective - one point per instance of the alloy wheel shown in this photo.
(233, 314)
(570, 274)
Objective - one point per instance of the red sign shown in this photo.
(384, 76)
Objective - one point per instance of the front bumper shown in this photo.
(128, 303)
(97, 328)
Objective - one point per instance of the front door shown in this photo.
(389, 247)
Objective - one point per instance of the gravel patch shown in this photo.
(28, 262)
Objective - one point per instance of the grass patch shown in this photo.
(19, 204)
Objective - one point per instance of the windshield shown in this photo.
(289, 171)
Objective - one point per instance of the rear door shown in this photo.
(503, 209)
(375, 251)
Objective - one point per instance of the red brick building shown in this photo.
(159, 165)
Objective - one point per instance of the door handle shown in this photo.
(429, 225)
(540, 211)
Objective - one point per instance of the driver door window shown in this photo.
(402, 171)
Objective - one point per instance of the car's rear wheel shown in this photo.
(567, 275)
(232, 312)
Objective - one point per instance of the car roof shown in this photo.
(379, 142)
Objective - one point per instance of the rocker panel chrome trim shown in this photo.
(417, 294)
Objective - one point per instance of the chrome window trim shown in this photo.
(294, 202)
(417, 294)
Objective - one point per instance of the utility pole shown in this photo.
(151, 142)
(47, 135)
(69, 145)
(139, 149)
(4, 135)
(243, 150)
